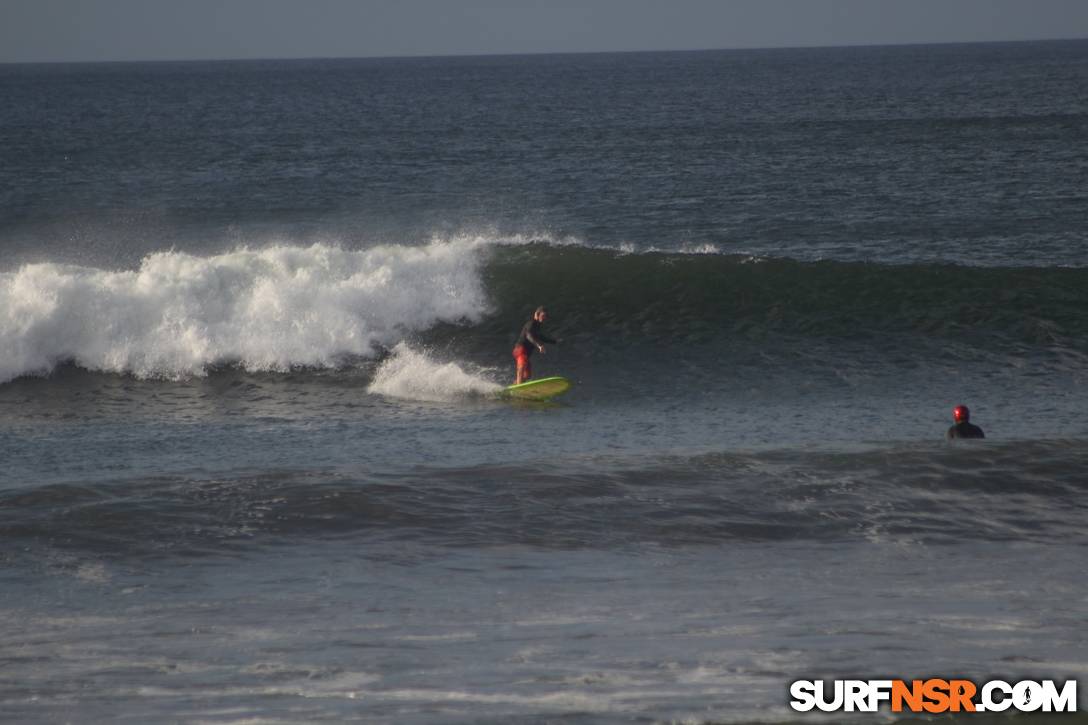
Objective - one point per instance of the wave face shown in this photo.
(267, 310)
(696, 297)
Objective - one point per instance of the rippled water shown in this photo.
(254, 318)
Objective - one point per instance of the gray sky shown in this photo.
(94, 30)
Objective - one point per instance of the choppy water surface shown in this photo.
(254, 318)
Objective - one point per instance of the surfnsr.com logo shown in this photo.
(933, 696)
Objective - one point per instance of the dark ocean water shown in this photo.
(254, 317)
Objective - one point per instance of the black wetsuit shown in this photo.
(531, 336)
(965, 430)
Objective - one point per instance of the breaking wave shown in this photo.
(266, 310)
(413, 375)
(287, 307)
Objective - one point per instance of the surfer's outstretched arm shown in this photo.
(539, 338)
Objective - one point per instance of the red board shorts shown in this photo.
(521, 356)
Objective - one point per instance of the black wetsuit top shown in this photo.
(532, 335)
(965, 430)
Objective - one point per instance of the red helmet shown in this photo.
(961, 414)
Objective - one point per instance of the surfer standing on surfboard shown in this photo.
(532, 336)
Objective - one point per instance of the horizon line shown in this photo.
(543, 53)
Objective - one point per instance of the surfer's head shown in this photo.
(540, 314)
(961, 414)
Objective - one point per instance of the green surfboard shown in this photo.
(542, 389)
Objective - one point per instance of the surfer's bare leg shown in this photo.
(524, 371)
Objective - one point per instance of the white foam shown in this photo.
(93, 573)
(494, 237)
(450, 637)
(690, 249)
(268, 310)
(413, 375)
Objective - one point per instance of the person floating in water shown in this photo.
(532, 336)
(963, 427)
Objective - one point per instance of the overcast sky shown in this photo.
(95, 30)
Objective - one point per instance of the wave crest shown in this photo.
(267, 310)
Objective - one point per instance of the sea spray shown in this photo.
(413, 375)
(267, 310)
